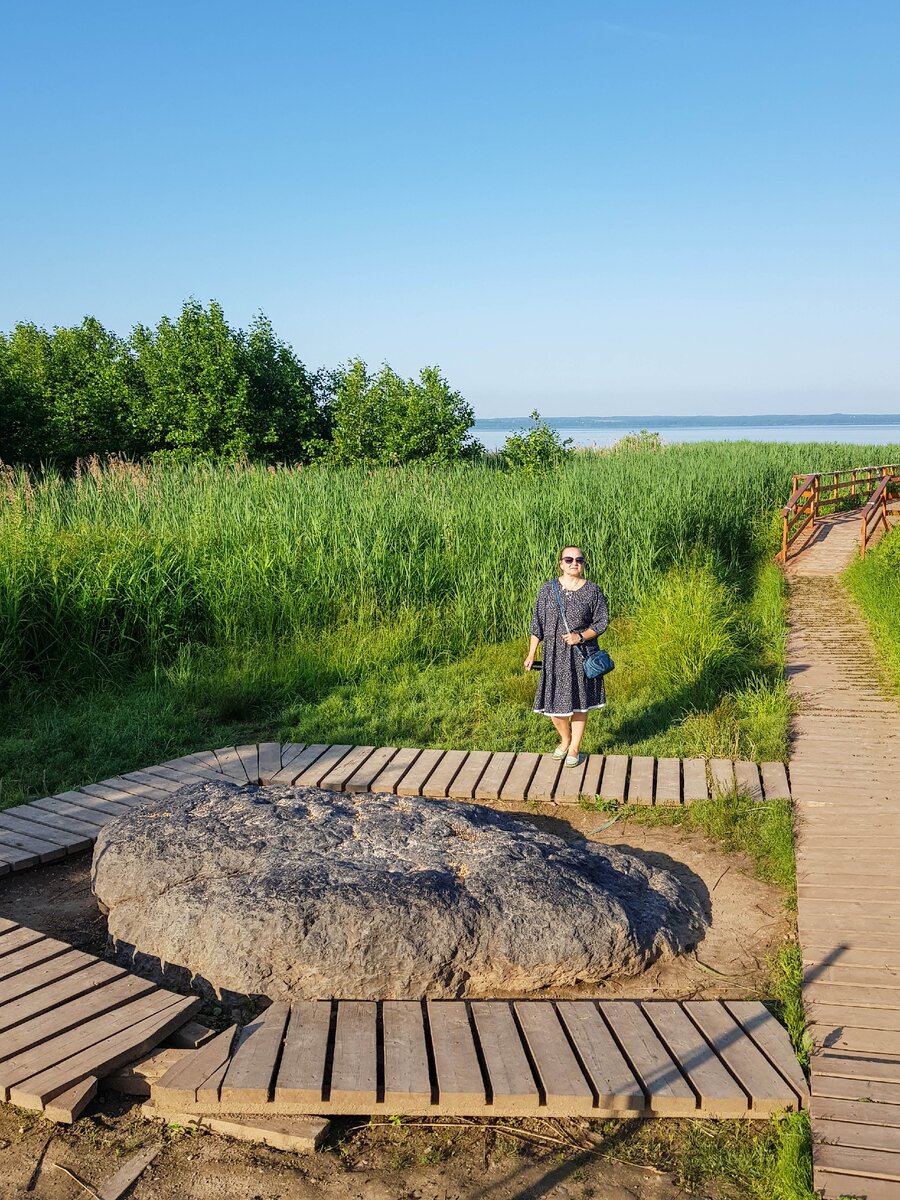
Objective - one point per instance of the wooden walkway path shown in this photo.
(496, 1058)
(67, 823)
(845, 775)
(68, 1018)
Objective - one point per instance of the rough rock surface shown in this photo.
(297, 892)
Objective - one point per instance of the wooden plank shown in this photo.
(668, 781)
(442, 777)
(827, 1063)
(510, 1079)
(164, 781)
(340, 775)
(827, 1108)
(7, 926)
(137, 1078)
(180, 1083)
(775, 781)
(196, 764)
(104, 1056)
(848, 1161)
(68, 1106)
(491, 782)
(768, 1091)
(640, 782)
(772, 1038)
(308, 757)
(77, 829)
(667, 1091)
(746, 775)
(391, 775)
(406, 1077)
(859, 1135)
(721, 773)
(12, 966)
(695, 784)
(590, 784)
(269, 760)
(861, 1016)
(302, 1068)
(833, 1186)
(516, 786)
(298, 1135)
(465, 781)
(290, 751)
(565, 1089)
(315, 773)
(544, 780)
(251, 1071)
(191, 1036)
(719, 1094)
(89, 808)
(354, 1070)
(126, 793)
(28, 1008)
(249, 756)
(41, 850)
(884, 1094)
(231, 764)
(361, 780)
(129, 1173)
(59, 1046)
(415, 778)
(17, 939)
(15, 821)
(459, 1079)
(612, 784)
(570, 783)
(615, 1085)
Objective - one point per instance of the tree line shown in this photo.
(196, 387)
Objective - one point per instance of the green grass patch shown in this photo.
(748, 1161)
(875, 584)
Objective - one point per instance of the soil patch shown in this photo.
(478, 1162)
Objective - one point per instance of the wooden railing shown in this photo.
(875, 511)
(813, 495)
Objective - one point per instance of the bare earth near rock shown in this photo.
(296, 892)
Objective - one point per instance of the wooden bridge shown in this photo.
(845, 777)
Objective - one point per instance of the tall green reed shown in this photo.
(123, 564)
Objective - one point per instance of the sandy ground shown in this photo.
(388, 1163)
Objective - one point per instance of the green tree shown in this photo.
(536, 449)
(385, 419)
(288, 414)
(196, 388)
(63, 395)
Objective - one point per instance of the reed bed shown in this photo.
(124, 564)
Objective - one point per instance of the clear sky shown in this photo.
(593, 207)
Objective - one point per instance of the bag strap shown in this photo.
(557, 590)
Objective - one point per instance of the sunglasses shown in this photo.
(568, 559)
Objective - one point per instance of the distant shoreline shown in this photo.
(769, 421)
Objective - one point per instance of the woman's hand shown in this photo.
(529, 662)
(572, 639)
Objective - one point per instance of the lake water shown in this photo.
(587, 431)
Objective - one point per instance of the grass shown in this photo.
(875, 584)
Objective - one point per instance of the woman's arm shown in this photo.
(532, 650)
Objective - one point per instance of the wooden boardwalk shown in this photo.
(48, 829)
(68, 1018)
(845, 775)
(496, 1058)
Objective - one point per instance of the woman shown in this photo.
(565, 694)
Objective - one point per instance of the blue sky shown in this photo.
(662, 206)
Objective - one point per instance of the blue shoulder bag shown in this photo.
(596, 662)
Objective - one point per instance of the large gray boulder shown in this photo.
(296, 892)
